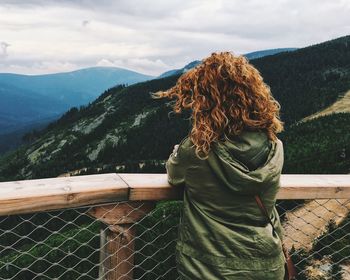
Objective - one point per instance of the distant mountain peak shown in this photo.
(252, 55)
(31, 98)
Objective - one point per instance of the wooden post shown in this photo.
(117, 240)
(103, 236)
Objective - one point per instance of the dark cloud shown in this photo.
(85, 22)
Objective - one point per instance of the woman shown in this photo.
(231, 154)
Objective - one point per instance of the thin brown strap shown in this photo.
(291, 272)
(264, 211)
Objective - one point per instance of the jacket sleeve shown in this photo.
(176, 165)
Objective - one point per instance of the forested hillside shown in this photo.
(308, 79)
(318, 146)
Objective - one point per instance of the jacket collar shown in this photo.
(249, 159)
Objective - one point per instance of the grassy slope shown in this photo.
(342, 105)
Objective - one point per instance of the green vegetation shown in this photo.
(156, 245)
(66, 254)
(67, 247)
(318, 146)
(334, 242)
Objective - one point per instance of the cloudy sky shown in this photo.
(153, 36)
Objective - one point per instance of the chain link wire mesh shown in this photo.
(70, 244)
(317, 232)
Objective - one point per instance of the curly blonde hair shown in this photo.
(226, 95)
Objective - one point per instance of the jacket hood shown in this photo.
(248, 162)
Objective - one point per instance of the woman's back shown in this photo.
(221, 224)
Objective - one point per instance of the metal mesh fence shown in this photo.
(318, 234)
(72, 244)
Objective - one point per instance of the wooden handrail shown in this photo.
(38, 195)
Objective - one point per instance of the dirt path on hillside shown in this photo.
(341, 105)
(346, 270)
(304, 224)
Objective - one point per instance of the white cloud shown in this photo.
(142, 65)
(40, 67)
(152, 36)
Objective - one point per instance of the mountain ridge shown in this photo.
(50, 95)
(251, 55)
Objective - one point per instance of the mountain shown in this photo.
(309, 79)
(76, 87)
(21, 107)
(29, 101)
(13, 139)
(181, 70)
(29, 98)
(264, 53)
(124, 127)
(251, 55)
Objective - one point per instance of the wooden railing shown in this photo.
(130, 191)
(37, 195)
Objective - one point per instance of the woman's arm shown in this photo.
(176, 165)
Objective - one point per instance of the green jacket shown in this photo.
(221, 224)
